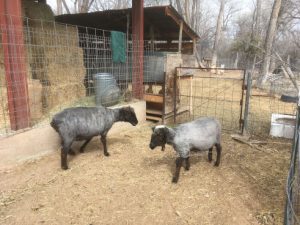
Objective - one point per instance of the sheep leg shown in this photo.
(71, 152)
(84, 145)
(210, 154)
(219, 150)
(103, 140)
(187, 163)
(179, 161)
(64, 153)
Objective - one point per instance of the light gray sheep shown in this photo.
(200, 134)
(83, 123)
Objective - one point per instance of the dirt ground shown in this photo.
(133, 186)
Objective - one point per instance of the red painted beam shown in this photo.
(11, 26)
(138, 48)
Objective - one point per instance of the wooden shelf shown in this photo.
(153, 118)
(153, 98)
(154, 112)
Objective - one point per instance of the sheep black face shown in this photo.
(158, 137)
(128, 115)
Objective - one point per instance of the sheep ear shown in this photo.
(166, 130)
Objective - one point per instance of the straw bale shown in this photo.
(35, 100)
(2, 70)
(62, 95)
(4, 117)
(35, 103)
(37, 11)
(56, 56)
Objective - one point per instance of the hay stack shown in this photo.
(57, 62)
(62, 95)
(35, 100)
(35, 103)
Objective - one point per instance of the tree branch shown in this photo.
(66, 6)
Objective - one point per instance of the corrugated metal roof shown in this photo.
(165, 21)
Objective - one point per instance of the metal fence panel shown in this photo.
(212, 93)
(60, 64)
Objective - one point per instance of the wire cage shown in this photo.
(67, 66)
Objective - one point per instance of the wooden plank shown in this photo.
(153, 118)
(153, 98)
(154, 112)
(180, 37)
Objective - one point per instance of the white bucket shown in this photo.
(282, 125)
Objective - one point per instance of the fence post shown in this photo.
(175, 95)
(290, 217)
(247, 104)
(11, 28)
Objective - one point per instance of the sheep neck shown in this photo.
(117, 116)
(170, 136)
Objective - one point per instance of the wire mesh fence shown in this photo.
(222, 93)
(292, 210)
(274, 98)
(65, 65)
(211, 92)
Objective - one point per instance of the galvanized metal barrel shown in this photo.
(107, 91)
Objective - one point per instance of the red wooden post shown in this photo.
(138, 48)
(11, 26)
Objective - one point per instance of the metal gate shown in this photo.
(210, 92)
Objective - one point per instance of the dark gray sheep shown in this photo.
(84, 123)
(200, 134)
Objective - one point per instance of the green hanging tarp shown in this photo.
(118, 46)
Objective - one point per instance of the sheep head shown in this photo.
(128, 115)
(159, 136)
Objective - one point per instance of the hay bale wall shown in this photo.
(55, 70)
(58, 63)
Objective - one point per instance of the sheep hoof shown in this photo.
(64, 167)
(71, 152)
(187, 168)
(106, 154)
(174, 180)
(81, 150)
(217, 164)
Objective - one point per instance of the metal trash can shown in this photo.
(107, 92)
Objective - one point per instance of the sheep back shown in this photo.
(200, 134)
(82, 122)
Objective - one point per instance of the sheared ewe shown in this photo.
(200, 134)
(83, 123)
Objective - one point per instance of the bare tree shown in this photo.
(218, 33)
(59, 7)
(257, 23)
(271, 32)
(179, 7)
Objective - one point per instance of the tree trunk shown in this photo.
(218, 34)
(58, 7)
(179, 8)
(269, 43)
(236, 62)
(187, 11)
(257, 27)
(193, 16)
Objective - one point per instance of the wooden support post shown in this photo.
(11, 26)
(180, 37)
(138, 48)
(194, 46)
(152, 38)
(191, 95)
